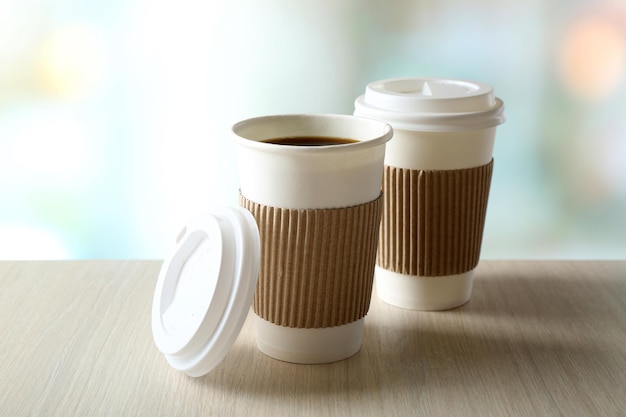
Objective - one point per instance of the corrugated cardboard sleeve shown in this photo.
(317, 266)
(433, 221)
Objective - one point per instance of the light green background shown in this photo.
(115, 116)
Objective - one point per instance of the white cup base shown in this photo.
(309, 346)
(423, 293)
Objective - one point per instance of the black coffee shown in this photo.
(310, 141)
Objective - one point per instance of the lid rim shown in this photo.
(429, 95)
(438, 122)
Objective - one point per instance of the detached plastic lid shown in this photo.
(431, 104)
(205, 289)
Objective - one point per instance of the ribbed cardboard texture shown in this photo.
(433, 221)
(317, 266)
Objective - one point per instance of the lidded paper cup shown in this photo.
(438, 169)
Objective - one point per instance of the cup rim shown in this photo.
(369, 132)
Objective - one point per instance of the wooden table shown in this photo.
(540, 338)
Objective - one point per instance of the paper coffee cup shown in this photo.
(437, 175)
(318, 210)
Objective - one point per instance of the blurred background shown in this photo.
(115, 116)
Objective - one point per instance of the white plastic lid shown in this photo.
(205, 289)
(431, 104)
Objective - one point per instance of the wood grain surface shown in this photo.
(540, 338)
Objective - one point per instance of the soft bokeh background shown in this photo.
(115, 116)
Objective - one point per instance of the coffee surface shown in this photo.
(310, 141)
